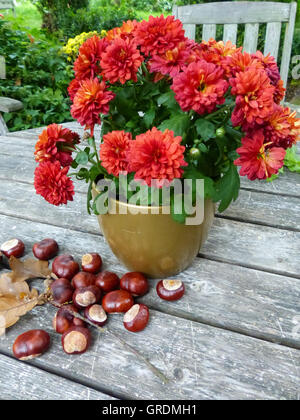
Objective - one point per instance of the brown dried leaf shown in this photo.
(28, 269)
(7, 287)
(12, 307)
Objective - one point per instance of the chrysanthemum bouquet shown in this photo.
(169, 108)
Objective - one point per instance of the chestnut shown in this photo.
(107, 281)
(13, 247)
(91, 263)
(45, 249)
(86, 296)
(135, 283)
(96, 314)
(170, 289)
(65, 266)
(76, 340)
(83, 279)
(117, 301)
(31, 344)
(64, 319)
(62, 290)
(136, 318)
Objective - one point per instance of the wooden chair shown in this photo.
(231, 14)
(6, 104)
(8, 5)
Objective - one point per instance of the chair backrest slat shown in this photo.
(250, 13)
(2, 68)
(230, 32)
(6, 4)
(209, 31)
(272, 39)
(251, 37)
(190, 30)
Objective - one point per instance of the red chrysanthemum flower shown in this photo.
(270, 66)
(124, 31)
(283, 128)
(172, 61)
(52, 183)
(279, 92)
(121, 61)
(157, 155)
(114, 150)
(254, 97)
(200, 87)
(159, 34)
(56, 144)
(91, 99)
(72, 88)
(86, 65)
(240, 62)
(258, 159)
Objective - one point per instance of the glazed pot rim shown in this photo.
(133, 206)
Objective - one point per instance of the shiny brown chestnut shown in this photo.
(117, 301)
(170, 289)
(65, 266)
(76, 340)
(86, 296)
(136, 318)
(62, 290)
(13, 247)
(91, 263)
(83, 279)
(65, 319)
(96, 314)
(107, 281)
(45, 249)
(31, 344)
(135, 283)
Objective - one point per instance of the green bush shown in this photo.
(38, 75)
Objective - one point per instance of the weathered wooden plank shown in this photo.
(200, 361)
(253, 207)
(287, 184)
(230, 33)
(287, 45)
(9, 105)
(190, 31)
(254, 302)
(272, 39)
(20, 381)
(251, 37)
(209, 31)
(232, 12)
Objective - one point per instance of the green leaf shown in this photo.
(205, 129)
(227, 188)
(292, 159)
(193, 173)
(149, 117)
(179, 123)
(82, 158)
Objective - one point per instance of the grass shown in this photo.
(27, 16)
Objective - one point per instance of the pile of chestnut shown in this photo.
(90, 292)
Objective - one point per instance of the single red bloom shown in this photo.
(52, 183)
(73, 87)
(172, 61)
(124, 31)
(121, 61)
(258, 159)
(114, 150)
(157, 155)
(269, 64)
(283, 128)
(200, 87)
(56, 144)
(91, 99)
(159, 34)
(240, 62)
(254, 97)
(86, 65)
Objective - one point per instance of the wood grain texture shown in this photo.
(190, 31)
(200, 361)
(272, 39)
(208, 31)
(9, 105)
(20, 381)
(287, 45)
(232, 12)
(251, 37)
(252, 302)
(230, 33)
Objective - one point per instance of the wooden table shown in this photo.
(234, 335)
